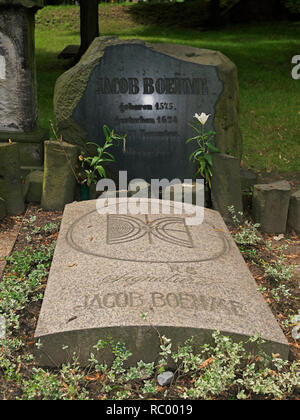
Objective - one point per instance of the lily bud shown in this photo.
(202, 118)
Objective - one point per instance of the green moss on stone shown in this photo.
(59, 180)
(37, 136)
(35, 186)
(71, 86)
(10, 178)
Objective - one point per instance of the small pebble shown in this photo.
(165, 378)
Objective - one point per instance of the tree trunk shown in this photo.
(89, 24)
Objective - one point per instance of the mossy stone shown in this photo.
(59, 180)
(226, 185)
(294, 212)
(10, 178)
(271, 205)
(35, 186)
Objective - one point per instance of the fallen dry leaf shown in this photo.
(90, 378)
(161, 388)
(207, 362)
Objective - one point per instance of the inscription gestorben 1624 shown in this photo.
(151, 97)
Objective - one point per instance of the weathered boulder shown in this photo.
(59, 180)
(294, 212)
(270, 206)
(151, 92)
(10, 178)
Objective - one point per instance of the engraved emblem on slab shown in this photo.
(121, 229)
(148, 239)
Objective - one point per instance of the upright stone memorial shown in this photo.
(10, 179)
(18, 89)
(132, 276)
(150, 92)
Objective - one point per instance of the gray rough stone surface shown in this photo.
(248, 179)
(30, 144)
(108, 270)
(82, 108)
(69, 52)
(10, 178)
(2, 208)
(165, 378)
(59, 179)
(294, 212)
(226, 184)
(270, 206)
(35, 186)
(18, 92)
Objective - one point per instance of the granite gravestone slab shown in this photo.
(110, 269)
(151, 93)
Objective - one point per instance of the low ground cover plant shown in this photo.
(222, 369)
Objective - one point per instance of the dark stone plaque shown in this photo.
(152, 97)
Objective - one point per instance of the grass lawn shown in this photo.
(270, 98)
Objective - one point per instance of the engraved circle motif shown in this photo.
(146, 239)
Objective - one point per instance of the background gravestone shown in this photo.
(10, 178)
(59, 177)
(150, 92)
(18, 90)
(271, 206)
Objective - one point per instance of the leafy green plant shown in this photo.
(47, 229)
(219, 370)
(293, 6)
(247, 232)
(93, 168)
(280, 273)
(21, 284)
(119, 382)
(202, 155)
(67, 384)
(279, 270)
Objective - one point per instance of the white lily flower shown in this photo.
(202, 118)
